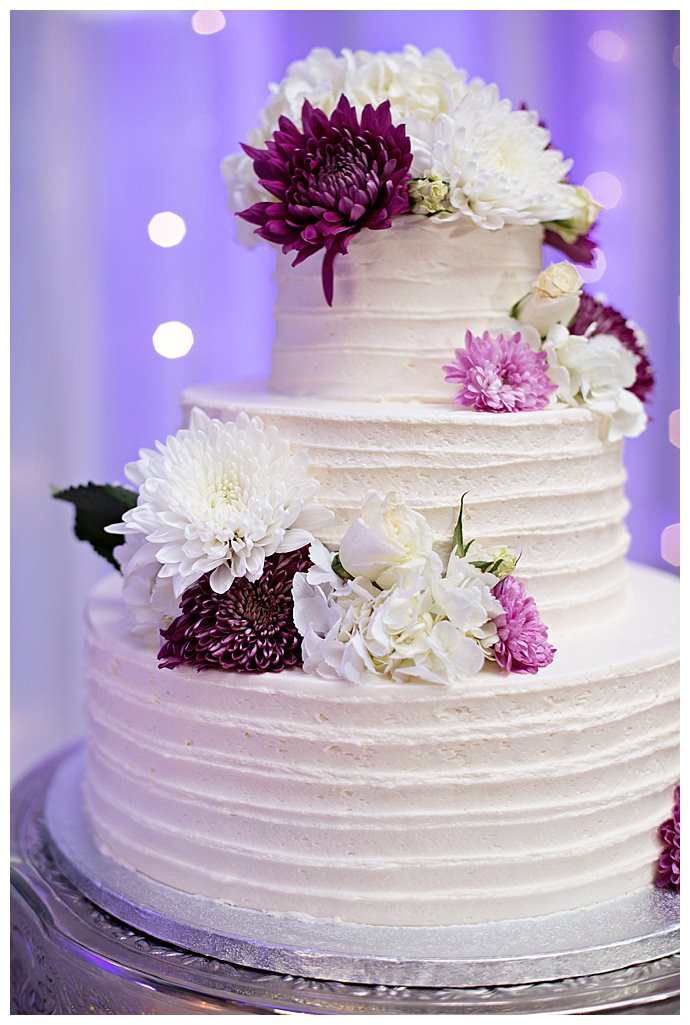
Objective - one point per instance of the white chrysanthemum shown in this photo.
(215, 498)
(425, 85)
(495, 160)
(597, 371)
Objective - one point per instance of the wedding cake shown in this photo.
(375, 654)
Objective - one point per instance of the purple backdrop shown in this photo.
(117, 116)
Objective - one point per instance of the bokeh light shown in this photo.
(670, 544)
(676, 56)
(173, 339)
(607, 45)
(605, 188)
(167, 229)
(208, 22)
(674, 428)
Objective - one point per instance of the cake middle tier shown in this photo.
(546, 484)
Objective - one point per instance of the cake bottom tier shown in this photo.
(500, 797)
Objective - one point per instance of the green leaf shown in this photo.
(514, 309)
(337, 567)
(458, 539)
(97, 506)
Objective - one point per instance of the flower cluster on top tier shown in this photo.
(385, 608)
(560, 345)
(472, 155)
(330, 180)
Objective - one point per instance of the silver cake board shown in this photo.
(640, 927)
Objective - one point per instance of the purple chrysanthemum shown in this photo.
(668, 868)
(523, 645)
(581, 251)
(332, 178)
(500, 375)
(605, 320)
(249, 629)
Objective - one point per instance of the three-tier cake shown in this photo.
(377, 655)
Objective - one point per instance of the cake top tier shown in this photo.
(349, 143)
(410, 205)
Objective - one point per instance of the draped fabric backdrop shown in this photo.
(118, 116)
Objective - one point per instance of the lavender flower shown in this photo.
(331, 179)
(668, 867)
(522, 645)
(248, 629)
(594, 317)
(500, 375)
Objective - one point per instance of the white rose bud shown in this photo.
(385, 542)
(553, 298)
(557, 280)
(429, 195)
(497, 560)
(586, 210)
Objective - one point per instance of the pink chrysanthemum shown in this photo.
(668, 868)
(523, 645)
(248, 629)
(594, 317)
(332, 178)
(500, 375)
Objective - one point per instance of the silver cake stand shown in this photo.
(87, 939)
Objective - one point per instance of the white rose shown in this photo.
(553, 299)
(386, 541)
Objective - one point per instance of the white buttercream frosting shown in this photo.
(543, 483)
(498, 797)
(404, 298)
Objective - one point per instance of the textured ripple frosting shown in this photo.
(544, 483)
(499, 797)
(404, 298)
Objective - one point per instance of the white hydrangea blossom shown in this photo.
(425, 624)
(214, 498)
(493, 158)
(596, 371)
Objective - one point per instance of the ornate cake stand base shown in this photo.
(71, 957)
